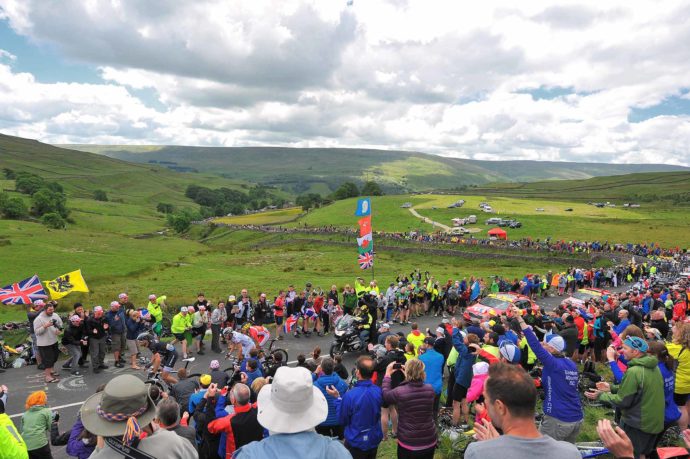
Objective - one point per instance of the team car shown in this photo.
(579, 297)
(497, 304)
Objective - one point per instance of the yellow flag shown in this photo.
(66, 284)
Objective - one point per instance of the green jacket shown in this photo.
(35, 427)
(640, 396)
(180, 323)
(155, 308)
(12, 444)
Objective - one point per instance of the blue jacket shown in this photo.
(433, 367)
(559, 377)
(252, 375)
(331, 380)
(671, 413)
(305, 445)
(359, 412)
(622, 325)
(116, 321)
(194, 400)
(134, 328)
(463, 366)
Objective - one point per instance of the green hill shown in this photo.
(646, 187)
(321, 170)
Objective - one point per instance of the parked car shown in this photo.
(406, 205)
(539, 209)
(497, 304)
(515, 224)
(493, 221)
(487, 209)
(569, 209)
(579, 297)
(472, 219)
(458, 230)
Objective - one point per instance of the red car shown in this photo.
(497, 304)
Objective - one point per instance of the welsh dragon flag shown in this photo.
(365, 241)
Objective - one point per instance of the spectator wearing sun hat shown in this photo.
(290, 408)
(120, 413)
(563, 414)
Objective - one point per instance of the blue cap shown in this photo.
(510, 352)
(636, 343)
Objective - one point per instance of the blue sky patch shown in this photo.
(671, 106)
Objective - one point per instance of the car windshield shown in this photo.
(495, 303)
(584, 296)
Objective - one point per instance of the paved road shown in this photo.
(428, 220)
(68, 395)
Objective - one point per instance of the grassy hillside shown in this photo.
(321, 170)
(659, 222)
(648, 186)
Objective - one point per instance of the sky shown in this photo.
(583, 81)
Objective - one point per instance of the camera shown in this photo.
(56, 324)
(397, 366)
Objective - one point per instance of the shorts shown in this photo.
(309, 313)
(279, 320)
(643, 442)
(583, 347)
(180, 336)
(169, 362)
(157, 328)
(49, 354)
(132, 347)
(680, 399)
(118, 342)
(199, 331)
(559, 430)
(459, 393)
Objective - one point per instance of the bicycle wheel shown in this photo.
(282, 352)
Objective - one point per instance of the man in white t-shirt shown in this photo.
(510, 398)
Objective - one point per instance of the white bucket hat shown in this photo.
(291, 403)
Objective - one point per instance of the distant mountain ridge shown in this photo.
(300, 170)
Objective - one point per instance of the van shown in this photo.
(472, 219)
(493, 221)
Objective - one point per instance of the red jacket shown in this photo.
(224, 425)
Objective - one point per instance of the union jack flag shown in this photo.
(289, 323)
(366, 260)
(23, 292)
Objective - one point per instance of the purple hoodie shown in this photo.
(76, 447)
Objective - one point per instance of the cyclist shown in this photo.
(258, 333)
(163, 354)
(238, 342)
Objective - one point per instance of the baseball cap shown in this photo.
(636, 343)
(114, 303)
(183, 309)
(97, 308)
(386, 326)
(215, 364)
(555, 341)
(231, 298)
(510, 352)
(440, 330)
(122, 296)
(205, 380)
(39, 303)
(74, 318)
(152, 297)
(430, 340)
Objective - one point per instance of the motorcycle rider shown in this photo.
(365, 321)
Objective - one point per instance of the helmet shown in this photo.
(364, 308)
(246, 327)
(144, 337)
(227, 331)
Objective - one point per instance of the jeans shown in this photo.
(74, 355)
(364, 338)
(97, 349)
(215, 336)
(359, 454)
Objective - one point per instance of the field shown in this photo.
(271, 217)
(659, 222)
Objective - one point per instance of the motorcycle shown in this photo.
(346, 336)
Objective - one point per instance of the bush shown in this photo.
(9, 173)
(346, 190)
(53, 220)
(28, 183)
(181, 221)
(12, 207)
(165, 208)
(371, 189)
(47, 201)
(100, 195)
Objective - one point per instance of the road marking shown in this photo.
(52, 408)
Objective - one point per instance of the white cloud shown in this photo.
(440, 77)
